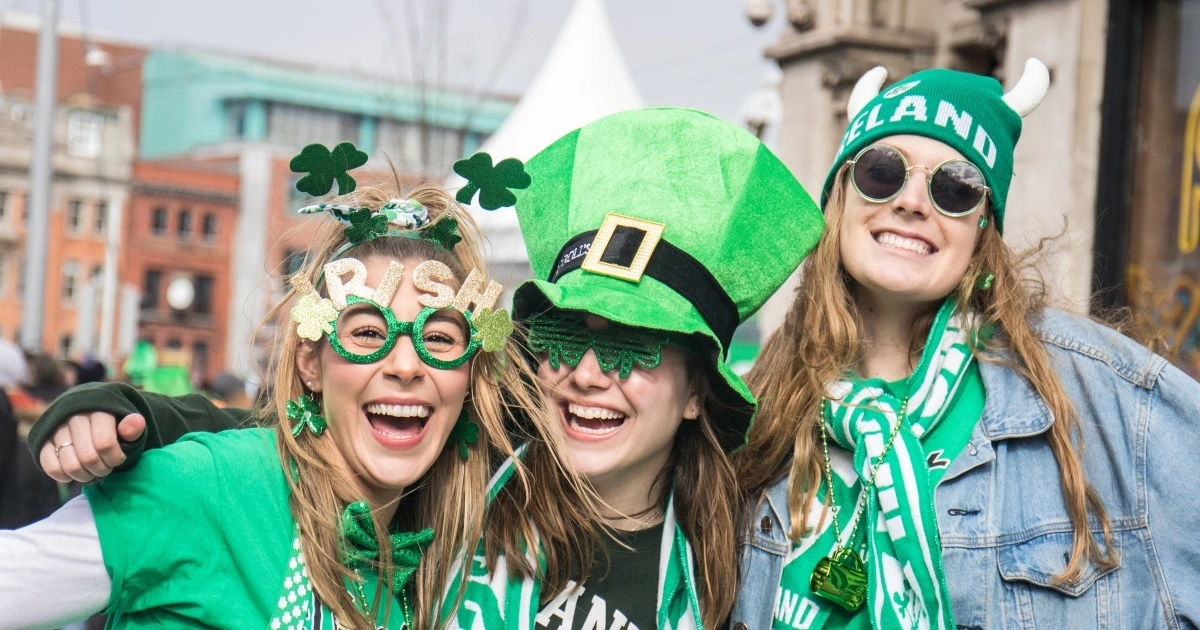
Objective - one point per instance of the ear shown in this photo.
(691, 410)
(308, 364)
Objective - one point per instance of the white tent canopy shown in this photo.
(583, 78)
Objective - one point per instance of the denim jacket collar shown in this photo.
(1012, 407)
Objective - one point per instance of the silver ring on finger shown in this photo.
(60, 446)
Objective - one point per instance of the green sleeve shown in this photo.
(167, 418)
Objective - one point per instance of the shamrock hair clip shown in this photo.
(493, 183)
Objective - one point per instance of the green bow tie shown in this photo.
(362, 549)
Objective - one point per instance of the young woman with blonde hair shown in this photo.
(394, 386)
(1022, 467)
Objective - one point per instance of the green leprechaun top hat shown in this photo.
(668, 219)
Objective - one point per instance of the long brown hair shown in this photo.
(819, 340)
(450, 497)
(705, 491)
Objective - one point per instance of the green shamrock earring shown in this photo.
(493, 183)
(325, 167)
(985, 281)
(305, 412)
(465, 432)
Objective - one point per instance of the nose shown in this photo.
(402, 363)
(914, 197)
(588, 374)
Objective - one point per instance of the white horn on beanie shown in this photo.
(1029, 91)
(865, 90)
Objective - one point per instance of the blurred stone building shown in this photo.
(1109, 164)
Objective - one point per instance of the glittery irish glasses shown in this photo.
(365, 332)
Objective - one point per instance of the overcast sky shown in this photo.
(693, 53)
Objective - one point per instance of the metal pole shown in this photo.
(32, 310)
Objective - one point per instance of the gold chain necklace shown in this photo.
(405, 606)
(841, 577)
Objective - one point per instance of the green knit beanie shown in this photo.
(969, 112)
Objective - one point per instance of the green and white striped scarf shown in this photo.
(898, 539)
(493, 601)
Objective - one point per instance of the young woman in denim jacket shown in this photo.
(1023, 467)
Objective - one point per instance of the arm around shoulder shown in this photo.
(167, 418)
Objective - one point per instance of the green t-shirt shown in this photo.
(623, 597)
(199, 534)
(942, 444)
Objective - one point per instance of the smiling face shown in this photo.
(620, 431)
(388, 419)
(904, 250)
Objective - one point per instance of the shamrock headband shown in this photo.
(405, 218)
(362, 327)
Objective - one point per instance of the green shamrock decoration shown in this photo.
(491, 182)
(464, 432)
(365, 225)
(494, 328)
(444, 233)
(305, 412)
(325, 167)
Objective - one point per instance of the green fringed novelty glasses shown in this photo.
(365, 332)
(617, 347)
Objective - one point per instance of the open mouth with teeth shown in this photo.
(895, 241)
(585, 421)
(397, 423)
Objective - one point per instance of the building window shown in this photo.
(3, 206)
(150, 289)
(97, 277)
(185, 224)
(158, 221)
(235, 119)
(174, 344)
(83, 134)
(202, 304)
(200, 358)
(25, 209)
(64, 345)
(70, 281)
(208, 228)
(101, 218)
(74, 215)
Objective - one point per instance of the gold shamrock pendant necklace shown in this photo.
(841, 577)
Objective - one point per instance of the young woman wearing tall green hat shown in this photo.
(393, 382)
(936, 448)
(652, 234)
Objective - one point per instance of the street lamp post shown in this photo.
(40, 171)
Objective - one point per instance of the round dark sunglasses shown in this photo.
(880, 172)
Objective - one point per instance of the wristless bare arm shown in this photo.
(53, 571)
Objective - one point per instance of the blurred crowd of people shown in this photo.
(29, 382)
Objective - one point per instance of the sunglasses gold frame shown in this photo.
(987, 191)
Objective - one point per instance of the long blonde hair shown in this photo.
(450, 497)
(819, 340)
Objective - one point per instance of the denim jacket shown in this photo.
(1004, 527)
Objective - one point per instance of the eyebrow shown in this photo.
(443, 315)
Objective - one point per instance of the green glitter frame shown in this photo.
(396, 328)
(617, 347)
